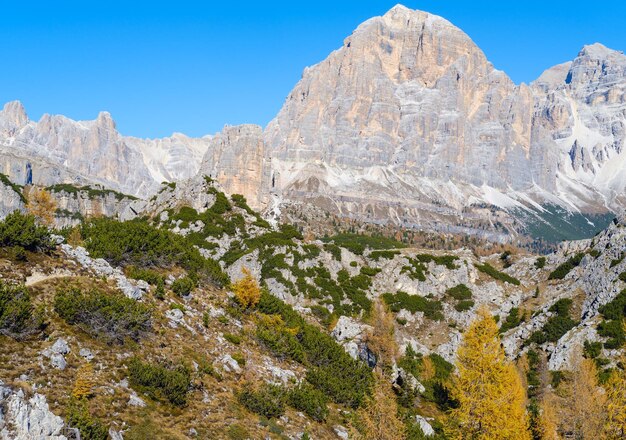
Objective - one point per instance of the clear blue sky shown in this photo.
(191, 67)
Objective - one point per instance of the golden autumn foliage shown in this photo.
(247, 290)
(84, 383)
(548, 418)
(41, 205)
(381, 340)
(378, 418)
(583, 408)
(615, 386)
(487, 387)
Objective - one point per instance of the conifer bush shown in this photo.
(112, 317)
(19, 229)
(18, 316)
(162, 382)
(268, 400)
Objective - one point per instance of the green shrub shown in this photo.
(19, 229)
(78, 416)
(464, 305)
(387, 255)
(15, 187)
(562, 270)
(112, 317)
(512, 320)
(334, 250)
(614, 330)
(592, 350)
(18, 317)
(616, 309)
(496, 274)
(166, 383)
(233, 339)
(267, 400)
(330, 369)
(460, 292)
(557, 325)
(17, 253)
(432, 309)
(138, 243)
(183, 286)
(237, 432)
(540, 262)
(310, 401)
(149, 276)
(622, 276)
(358, 243)
(617, 261)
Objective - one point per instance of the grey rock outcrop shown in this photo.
(23, 418)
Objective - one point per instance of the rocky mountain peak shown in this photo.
(105, 120)
(12, 117)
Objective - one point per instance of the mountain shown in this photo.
(59, 150)
(408, 123)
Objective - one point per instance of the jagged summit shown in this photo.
(599, 51)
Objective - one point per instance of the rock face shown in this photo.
(59, 150)
(409, 122)
(24, 418)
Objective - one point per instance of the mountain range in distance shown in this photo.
(406, 124)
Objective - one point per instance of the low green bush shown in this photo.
(464, 305)
(310, 401)
(79, 417)
(19, 229)
(140, 244)
(496, 274)
(562, 270)
(330, 369)
(432, 309)
(512, 320)
(612, 327)
(183, 286)
(112, 317)
(268, 400)
(460, 292)
(540, 262)
(162, 382)
(18, 316)
(233, 339)
(557, 325)
(387, 255)
(357, 244)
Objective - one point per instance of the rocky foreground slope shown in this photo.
(167, 269)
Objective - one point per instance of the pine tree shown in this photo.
(247, 290)
(378, 418)
(41, 205)
(487, 387)
(84, 383)
(615, 427)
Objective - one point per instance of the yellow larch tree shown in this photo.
(583, 411)
(84, 383)
(247, 290)
(381, 340)
(378, 418)
(41, 205)
(615, 386)
(487, 388)
(548, 417)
